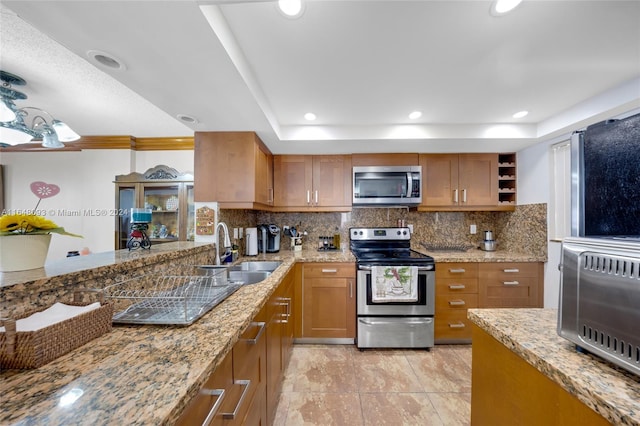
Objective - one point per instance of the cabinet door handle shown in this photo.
(286, 304)
(316, 197)
(214, 409)
(510, 283)
(271, 195)
(455, 195)
(246, 384)
(350, 289)
(260, 326)
(511, 271)
(457, 286)
(308, 197)
(457, 303)
(464, 195)
(457, 271)
(457, 325)
(329, 271)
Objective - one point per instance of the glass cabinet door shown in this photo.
(191, 220)
(169, 195)
(126, 201)
(163, 200)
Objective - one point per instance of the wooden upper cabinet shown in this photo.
(402, 159)
(312, 183)
(234, 169)
(459, 181)
(293, 180)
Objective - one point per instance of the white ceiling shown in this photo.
(360, 66)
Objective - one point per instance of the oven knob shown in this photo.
(398, 232)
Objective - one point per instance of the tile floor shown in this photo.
(340, 385)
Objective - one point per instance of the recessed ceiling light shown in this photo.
(415, 115)
(500, 7)
(291, 8)
(187, 119)
(310, 116)
(520, 114)
(106, 60)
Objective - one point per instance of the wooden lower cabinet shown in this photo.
(329, 300)
(456, 291)
(251, 374)
(233, 395)
(506, 390)
(206, 408)
(279, 337)
(460, 286)
(511, 285)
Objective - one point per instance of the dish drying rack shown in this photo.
(167, 300)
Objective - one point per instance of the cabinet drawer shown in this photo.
(249, 372)
(248, 351)
(506, 271)
(516, 292)
(452, 326)
(456, 285)
(209, 400)
(455, 302)
(456, 270)
(328, 270)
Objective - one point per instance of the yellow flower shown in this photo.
(12, 224)
(38, 222)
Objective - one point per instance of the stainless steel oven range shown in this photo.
(395, 290)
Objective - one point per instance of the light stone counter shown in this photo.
(531, 334)
(142, 375)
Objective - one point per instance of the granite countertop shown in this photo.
(144, 374)
(531, 334)
(477, 255)
(95, 263)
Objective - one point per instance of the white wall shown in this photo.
(86, 200)
(534, 187)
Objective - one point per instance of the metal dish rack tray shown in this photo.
(167, 300)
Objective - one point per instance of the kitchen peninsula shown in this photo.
(524, 373)
(145, 374)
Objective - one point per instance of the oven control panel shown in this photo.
(394, 234)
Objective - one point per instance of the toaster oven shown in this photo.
(599, 307)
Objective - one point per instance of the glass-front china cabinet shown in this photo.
(167, 193)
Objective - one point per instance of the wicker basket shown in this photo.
(33, 349)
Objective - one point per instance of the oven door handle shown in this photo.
(420, 268)
(411, 321)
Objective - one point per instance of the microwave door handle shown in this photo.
(409, 184)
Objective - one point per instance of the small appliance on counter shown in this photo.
(599, 294)
(488, 243)
(251, 241)
(268, 238)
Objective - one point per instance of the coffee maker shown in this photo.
(268, 238)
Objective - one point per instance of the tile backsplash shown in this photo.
(523, 230)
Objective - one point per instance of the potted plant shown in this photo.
(25, 236)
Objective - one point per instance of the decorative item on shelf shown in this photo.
(25, 237)
(140, 219)
(172, 203)
(21, 125)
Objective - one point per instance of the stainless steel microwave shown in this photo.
(392, 185)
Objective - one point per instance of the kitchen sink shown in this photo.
(248, 277)
(256, 265)
(247, 272)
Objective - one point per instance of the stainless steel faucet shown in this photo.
(227, 240)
